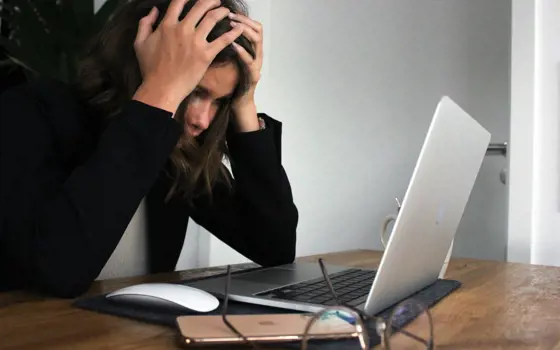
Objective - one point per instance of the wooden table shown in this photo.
(500, 306)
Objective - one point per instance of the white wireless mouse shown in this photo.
(169, 295)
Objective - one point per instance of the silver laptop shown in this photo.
(432, 207)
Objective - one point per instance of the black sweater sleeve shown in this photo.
(59, 226)
(258, 217)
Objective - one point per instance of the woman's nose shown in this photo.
(202, 114)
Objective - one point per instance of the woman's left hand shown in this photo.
(244, 106)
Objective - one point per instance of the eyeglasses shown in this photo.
(389, 327)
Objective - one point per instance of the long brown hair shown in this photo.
(109, 75)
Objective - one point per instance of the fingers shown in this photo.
(225, 39)
(145, 26)
(245, 56)
(210, 20)
(251, 29)
(198, 11)
(253, 36)
(174, 11)
(256, 26)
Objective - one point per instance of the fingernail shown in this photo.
(231, 15)
(233, 24)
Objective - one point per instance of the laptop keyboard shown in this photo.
(352, 287)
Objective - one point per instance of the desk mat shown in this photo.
(429, 296)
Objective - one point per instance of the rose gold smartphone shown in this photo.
(211, 329)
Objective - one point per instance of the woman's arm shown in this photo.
(59, 226)
(258, 218)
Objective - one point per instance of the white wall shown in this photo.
(356, 83)
(97, 4)
(546, 244)
(534, 235)
(129, 258)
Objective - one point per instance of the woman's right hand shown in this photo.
(174, 57)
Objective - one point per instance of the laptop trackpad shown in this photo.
(274, 276)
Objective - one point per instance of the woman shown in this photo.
(165, 92)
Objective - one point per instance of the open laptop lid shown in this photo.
(439, 189)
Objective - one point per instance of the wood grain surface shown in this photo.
(500, 306)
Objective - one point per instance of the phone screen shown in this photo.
(267, 327)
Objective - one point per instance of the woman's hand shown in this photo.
(244, 107)
(174, 58)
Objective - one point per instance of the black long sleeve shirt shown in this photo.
(69, 188)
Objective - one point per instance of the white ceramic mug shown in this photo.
(384, 232)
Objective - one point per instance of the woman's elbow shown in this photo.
(283, 249)
(286, 257)
(66, 275)
(62, 284)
